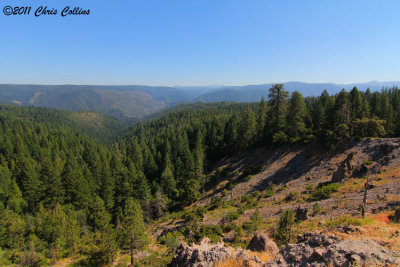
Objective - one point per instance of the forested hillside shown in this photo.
(96, 125)
(117, 101)
(63, 193)
(136, 101)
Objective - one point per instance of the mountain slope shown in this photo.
(118, 101)
(253, 93)
(93, 124)
(137, 101)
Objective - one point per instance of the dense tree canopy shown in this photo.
(63, 192)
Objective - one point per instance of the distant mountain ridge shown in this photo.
(253, 93)
(130, 101)
(117, 101)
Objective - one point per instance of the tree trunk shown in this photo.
(132, 261)
(132, 246)
(364, 204)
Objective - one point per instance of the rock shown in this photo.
(317, 249)
(317, 255)
(396, 217)
(370, 185)
(207, 254)
(261, 242)
(393, 204)
(301, 214)
(347, 229)
(344, 170)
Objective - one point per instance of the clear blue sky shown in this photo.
(200, 42)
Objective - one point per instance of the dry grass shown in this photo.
(230, 263)
(264, 256)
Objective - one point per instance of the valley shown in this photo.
(317, 179)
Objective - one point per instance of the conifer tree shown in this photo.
(261, 118)
(278, 98)
(296, 115)
(247, 129)
(133, 232)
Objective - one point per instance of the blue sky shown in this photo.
(188, 42)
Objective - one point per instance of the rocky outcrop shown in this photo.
(344, 170)
(261, 242)
(313, 249)
(207, 254)
(318, 249)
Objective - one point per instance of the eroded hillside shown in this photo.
(296, 178)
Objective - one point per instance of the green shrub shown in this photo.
(281, 188)
(268, 194)
(195, 214)
(231, 185)
(309, 187)
(368, 162)
(292, 196)
(247, 178)
(171, 240)
(250, 200)
(216, 202)
(279, 138)
(231, 226)
(324, 192)
(248, 226)
(252, 169)
(231, 216)
(214, 232)
(316, 208)
(224, 193)
(284, 233)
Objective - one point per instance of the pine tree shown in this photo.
(247, 129)
(356, 106)
(133, 232)
(231, 135)
(76, 187)
(261, 118)
(296, 115)
(198, 157)
(286, 221)
(342, 108)
(168, 183)
(277, 103)
(51, 177)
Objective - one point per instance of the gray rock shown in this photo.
(261, 242)
(206, 255)
(318, 249)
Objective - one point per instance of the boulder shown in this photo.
(207, 255)
(344, 170)
(261, 242)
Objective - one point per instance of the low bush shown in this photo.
(292, 196)
(213, 232)
(252, 169)
(324, 192)
(231, 216)
(171, 240)
(316, 208)
(247, 178)
(216, 202)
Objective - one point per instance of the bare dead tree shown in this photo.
(364, 204)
